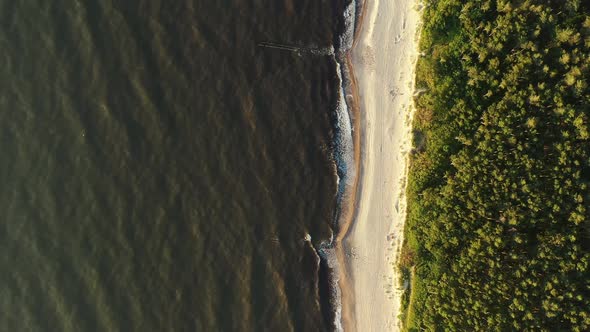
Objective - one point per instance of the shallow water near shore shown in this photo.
(161, 169)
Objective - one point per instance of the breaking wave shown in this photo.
(328, 257)
(343, 156)
(347, 37)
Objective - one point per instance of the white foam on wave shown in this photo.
(344, 157)
(322, 51)
(347, 36)
(328, 254)
(344, 145)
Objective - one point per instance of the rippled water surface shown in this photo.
(160, 169)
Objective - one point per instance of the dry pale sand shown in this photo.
(383, 59)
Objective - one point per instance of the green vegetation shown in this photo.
(498, 228)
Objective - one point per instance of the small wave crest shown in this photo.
(347, 37)
(328, 255)
(343, 143)
(322, 50)
(344, 154)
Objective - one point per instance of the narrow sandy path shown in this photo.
(383, 60)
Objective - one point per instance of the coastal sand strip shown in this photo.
(383, 59)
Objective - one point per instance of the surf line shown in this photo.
(346, 155)
(347, 159)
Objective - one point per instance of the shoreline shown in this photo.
(346, 219)
(365, 308)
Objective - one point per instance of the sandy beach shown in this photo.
(383, 59)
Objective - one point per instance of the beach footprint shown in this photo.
(368, 57)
